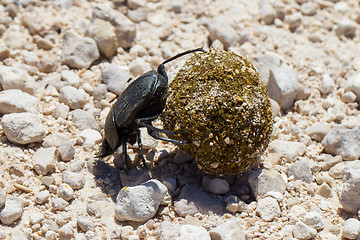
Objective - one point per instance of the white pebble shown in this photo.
(66, 192)
(74, 98)
(351, 228)
(268, 208)
(45, 160)
(74, 179)
(41, 197)
(192, 232)
(12, 211)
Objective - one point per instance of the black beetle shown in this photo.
(140, 103)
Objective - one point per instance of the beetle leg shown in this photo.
(154, 132)
(140, 148)
(125, 156)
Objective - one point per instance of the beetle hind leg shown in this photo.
(140, 148)
(127, 160)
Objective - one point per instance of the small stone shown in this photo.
(138, 66)
(16, 101)
(57, 139)
(36, 217)
(267, 13)
(133, 4)
(167, 230)
(91, 138)
(318, 131)
(2, 197)
(293, 20)
(346, 28)
(268, 208)
(48, 63)
(139, 203)
(330, 161)
(103, 32)
(176, 7)
(263, 181)
(77, 51)
(349, 194)
(67, 231)
(314, 220)
(61, 110)
(12, 211)
(309, 8)
(115, 79)
(193, 200)
(66, 192)
(84, 120)
(353, 85)
(301, 171)
(23, 128)
(71, 78)
(324, 190)
(170, 183)
(4, 52)
(47, 180)
(302, 231)
(45, 160)
(59, 204)
(344, 142)
(100, 91)
(74, 98)
(74, 179)
(327, 84)
(42, 197)
(44, 44)
(66, 152)
(264, 63)
(221, 30)
(348, 97)
(288, 149)
(16, 78)
(181, 157)
(230, 230)
(16, 36)
(138, 15)
(351, 228)
(283, 86)
(30, 58)
(85, 224)
(218, 186)
(192, 232)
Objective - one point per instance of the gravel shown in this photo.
(64, 63)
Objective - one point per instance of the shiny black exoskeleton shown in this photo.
(140, 103)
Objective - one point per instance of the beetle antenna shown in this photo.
(201, 49)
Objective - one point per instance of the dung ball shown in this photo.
(219, 105)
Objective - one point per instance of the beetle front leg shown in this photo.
(154, 132)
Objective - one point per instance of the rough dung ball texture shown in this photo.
(218, 103)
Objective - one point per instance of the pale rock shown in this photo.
(268, 208)
(138, 15)
(341, 6)
(13, 210)
(293, 20)
(229, 230)
(324, 190)
(85, 223)
(318, 131)
(309, 8)
(346, 28)
(103, 32)
(330, 161)
(192, 200)
(349, 194)
(4, 52)
(47, 180)
(16, 37)
(303, 231)
(115, 79)
(327, 84)
(167, 230)
(275, 108)
(337, 171)
(264, 63)
(66, 152)
(288, 149)
(264, 181)
(348, 97)
(74, 179)
(192, 232)
(351, 228)
(125, 29)
(138, 66)
(23, 128)
(170, 183)
(45, 160)
(77, 51)
(42, 197)
(71, 78)
(16, 78)
(344, 142)
(283, 86)
(218, 186)
(139, 203)
(48, 63)
(36, 217)
(133, 4)
(220, 29)
(2, 197)
(267, 13)
(181, 157)
(67, 231)
(91, 137)
(301, 171)
(296, 213)
(353, 85)
(61, 110)
(100, 91)
(16, 101)
(84, 120)
(66, 192)
(30, 58)
(314, 220)
(176, 7)
(74, 98)
(56, 139)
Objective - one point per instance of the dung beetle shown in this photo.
(140, 103)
